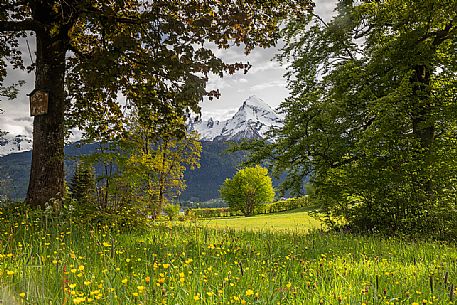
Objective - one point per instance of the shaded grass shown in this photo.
(6, 297)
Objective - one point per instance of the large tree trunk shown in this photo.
(423, 126)
(47, 171)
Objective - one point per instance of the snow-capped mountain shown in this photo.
(208, 130)
(13, 144)
(252, 120)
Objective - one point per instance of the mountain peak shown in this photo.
(255, 102)
(252, 120)
(13, 144)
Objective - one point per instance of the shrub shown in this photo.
(171, 210)
(284, 205)
(275, 207)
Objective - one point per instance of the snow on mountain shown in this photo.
(252, 120)
(208, 130)
(13, 144)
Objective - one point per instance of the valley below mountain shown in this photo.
(252, 120)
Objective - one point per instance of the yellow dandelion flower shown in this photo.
(249, 292)
(79, 300)
(72, 286)
(22, 294)
(9, 272)
(210, 293)
(105, 244)
(135, 294)
(140, 288)
(197, 297)
(81, 268)
(165, 266)
(124, 281)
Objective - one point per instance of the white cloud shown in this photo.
(265, 79)
(267, 66)
(219, 115)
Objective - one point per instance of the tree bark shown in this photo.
(423, 125)
(423, 128)
(47, 171)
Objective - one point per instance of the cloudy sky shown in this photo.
(265, 80)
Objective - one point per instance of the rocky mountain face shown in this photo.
(14, 143)
(252, 120)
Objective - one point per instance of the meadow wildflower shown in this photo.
(249, 292)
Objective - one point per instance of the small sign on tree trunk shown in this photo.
(38, 102)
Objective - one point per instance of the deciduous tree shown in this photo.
(248, 189)
(372, 113)
(157, 157)
(88, 52)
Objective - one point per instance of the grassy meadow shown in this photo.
(176, 263)
(298, 220)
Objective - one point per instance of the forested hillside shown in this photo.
(202, 183)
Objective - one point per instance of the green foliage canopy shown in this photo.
(372, 114)
(248, 189)
(155, 52)
(152, 166)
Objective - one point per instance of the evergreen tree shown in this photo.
(82, 185)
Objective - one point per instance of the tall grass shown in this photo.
(64, 263)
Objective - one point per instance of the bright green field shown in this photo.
(173, 264)
(294, 221)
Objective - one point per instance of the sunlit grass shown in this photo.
(192, 264)
(298, 221)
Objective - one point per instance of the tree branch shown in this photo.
(440, 36)
(111, 17)
(16, 26)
